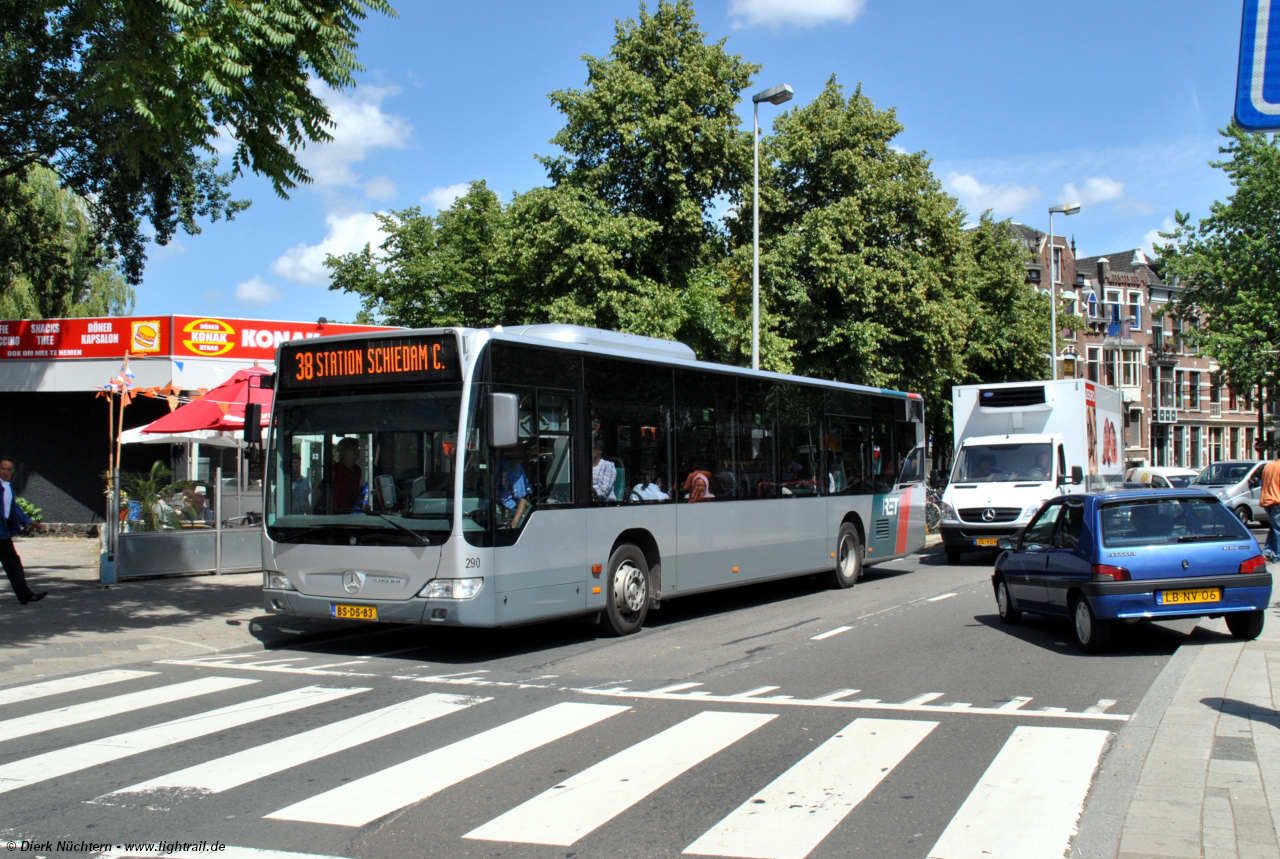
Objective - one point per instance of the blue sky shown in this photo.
(1021, 105)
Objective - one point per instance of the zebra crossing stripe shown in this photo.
(581, 804)
(365, 800)
(77, 714)
(86, 755)
(68, 684)
(260, 761)
(1022, 807)
(791, 816)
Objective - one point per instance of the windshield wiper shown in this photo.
(418, 538)
(1199, 538)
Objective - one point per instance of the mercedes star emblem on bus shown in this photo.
(989, 515)
(352, 581)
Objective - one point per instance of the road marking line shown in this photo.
(940, 597)
(1014, 704)
(924, 699)
(366, 799)
(753, 692)
(838, 694)
(831, 632)
(1103, 705)
(77, 714)
(881, 611)
(579, 805)
(68, 684)
(260, 761)
(794, 813)
(1022, 806)
(667, 690)
(227, 852)
(86, 755)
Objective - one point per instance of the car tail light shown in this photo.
(1108, 573)
(1255, 564)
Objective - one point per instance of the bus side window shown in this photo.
(799, 412)
(706, 466)
(630, 413)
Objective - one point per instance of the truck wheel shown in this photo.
(848, 558)
(626, 599)
(1092, 634)
(1244, 513)
(1245, 625)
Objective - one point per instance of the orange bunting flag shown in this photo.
(173, 402)
(224, 407)
(200, 392)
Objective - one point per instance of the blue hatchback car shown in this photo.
(1098, 558)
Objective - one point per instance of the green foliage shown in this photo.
(51, 264)
(153, 491)
(1229, 264)
(35, 513)
(124, 99)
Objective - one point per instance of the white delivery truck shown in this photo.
(1020, 443)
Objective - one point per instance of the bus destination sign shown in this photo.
(315, 364)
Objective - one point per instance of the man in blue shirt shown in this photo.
(513, 490)
(14, 521)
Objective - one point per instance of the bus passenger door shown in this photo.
(539, 534)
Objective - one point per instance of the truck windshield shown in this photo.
(1223, 473)
(360, 470)
(994, 463)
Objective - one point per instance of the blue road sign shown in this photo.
(1258, 84)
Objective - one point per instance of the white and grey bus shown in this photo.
(491, 477)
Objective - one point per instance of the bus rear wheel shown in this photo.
(848, 558)
(626, 599)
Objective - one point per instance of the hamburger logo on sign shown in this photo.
(145, 336)
(208, 337)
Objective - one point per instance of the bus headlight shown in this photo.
(948, 512)
(452, 589)
(277, 582)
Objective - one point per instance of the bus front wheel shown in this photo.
(848, 558)
(627, 598)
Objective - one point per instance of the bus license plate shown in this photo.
(1189, 596)
(354, 612)
(984, 541)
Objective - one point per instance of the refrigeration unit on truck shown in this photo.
(1020, 443)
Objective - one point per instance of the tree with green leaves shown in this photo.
(51, 263)
(1229, 264)
(124, 100)
(862, 254)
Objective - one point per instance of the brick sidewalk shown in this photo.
(84, 626)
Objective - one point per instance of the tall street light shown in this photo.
(773, 95)
(1064, 209)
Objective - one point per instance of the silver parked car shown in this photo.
(1238, 484)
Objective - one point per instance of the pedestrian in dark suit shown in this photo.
(14, 521)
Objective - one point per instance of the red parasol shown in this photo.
(220, 409)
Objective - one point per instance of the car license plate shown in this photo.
(1188, 596)
(985, 541)
(354, 612)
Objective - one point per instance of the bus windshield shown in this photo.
(993, 463)
(363, 470)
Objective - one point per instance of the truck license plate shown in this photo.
(1188, 596)
(354, 612)
(984, 541)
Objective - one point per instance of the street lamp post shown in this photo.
(1064, 209)
(773, 95)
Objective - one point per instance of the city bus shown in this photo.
(496, 477)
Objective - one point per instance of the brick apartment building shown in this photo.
(1179, 411)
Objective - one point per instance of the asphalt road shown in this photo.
(892, 719)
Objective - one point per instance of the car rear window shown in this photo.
(1161, 521)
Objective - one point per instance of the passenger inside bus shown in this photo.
(341, 492)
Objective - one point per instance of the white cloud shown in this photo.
(442, 198)
(1153, 236)
(256, 292)
(977, 198)
(359, 126)
(346, 234)
(799, 13)
(380, 188)
(1097, 189)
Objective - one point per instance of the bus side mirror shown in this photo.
(253, 424)
(504, 420)
(1077, 475)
